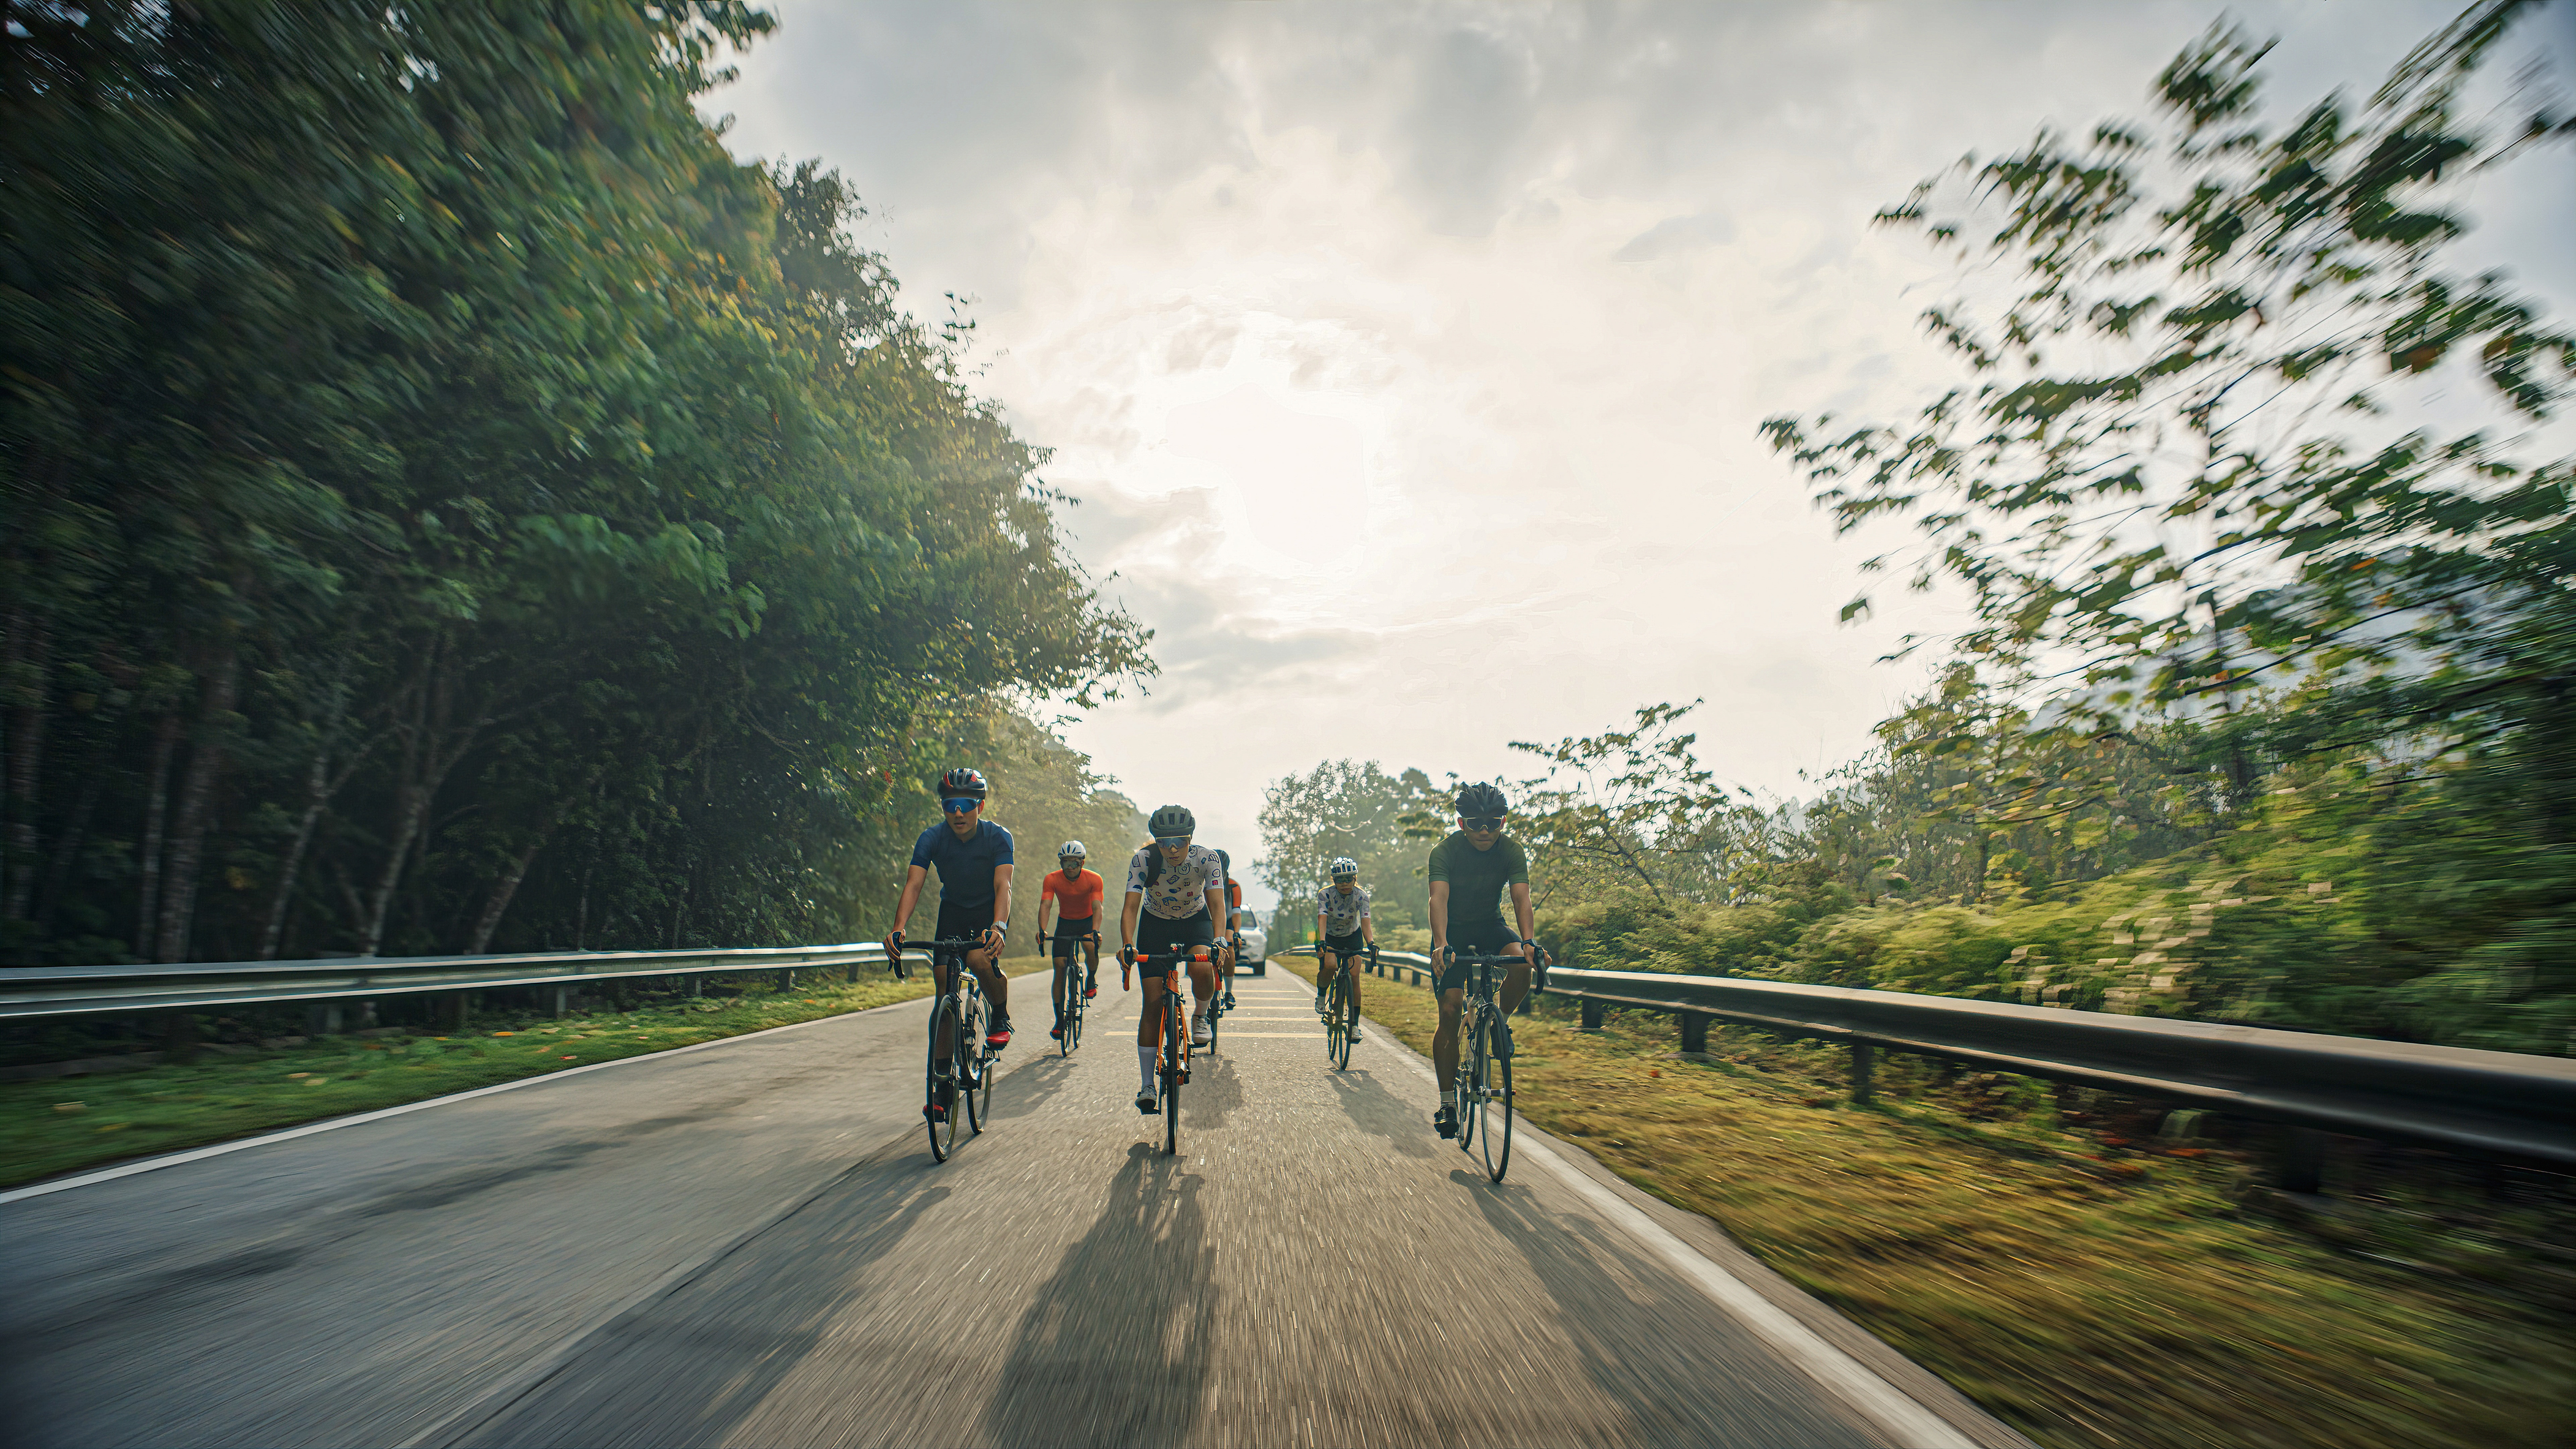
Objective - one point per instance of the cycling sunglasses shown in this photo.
(1171, 842)
(1482, 822)
(959, 806)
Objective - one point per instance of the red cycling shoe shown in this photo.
(999, 1037)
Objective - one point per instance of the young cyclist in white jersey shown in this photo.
(1343, 927)
(1175, 897)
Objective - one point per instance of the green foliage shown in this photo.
(1388, 823)
(450, 504)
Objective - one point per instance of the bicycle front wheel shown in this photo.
(942, 1087)
(1346, 1022)
(978, 1087)
(1176, 1056)
(1335, 1049)
(1471, 1084)
(1494, 1102)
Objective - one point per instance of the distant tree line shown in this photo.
(2268, 708)
(452, 505)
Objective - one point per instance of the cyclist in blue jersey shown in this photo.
(973, 857)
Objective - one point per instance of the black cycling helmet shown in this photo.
(1173, 820)
(962, 783)
(1480, 799)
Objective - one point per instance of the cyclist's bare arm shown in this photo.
(1127, 915)
(1002, 899)
(1046, 907)
(912, 878)
(1521, 911)
(1440, 913)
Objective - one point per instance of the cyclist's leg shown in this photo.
(1444, 1043)
(1326, 963)
(1091, 966)
(1516, 979)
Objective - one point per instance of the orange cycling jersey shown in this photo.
(1075, 900)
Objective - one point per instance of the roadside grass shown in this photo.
(2086, 1294)
(63, 1124)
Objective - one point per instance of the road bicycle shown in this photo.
(1341, 1015)
(1172, 1068)
(1074, 1001)
(964, 1071)
(1485, 1072)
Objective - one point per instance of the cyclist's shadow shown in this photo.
(1020, 1090)
(1375, 1110)
(1117, 1346)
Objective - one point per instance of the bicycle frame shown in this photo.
(1483, 1026)
(963, 1070)
(1174, 1066)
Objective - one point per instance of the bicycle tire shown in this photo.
(943, 1132)
(1346, 1019)
(1176, 1046)
(978, 1086)
(1069, 1014)
(1494, 1103)
(1471, 1084)
(1333, 1044)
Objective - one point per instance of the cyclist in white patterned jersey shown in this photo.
(1343, 928)
(1175, 897)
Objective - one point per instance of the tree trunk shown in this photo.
(26, 758)
(314, 799)
(58, 881)
(502, 889)
(156, 796)
(430, 749)
(196, 807)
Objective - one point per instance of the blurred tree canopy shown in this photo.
(452, 505)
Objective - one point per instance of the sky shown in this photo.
(1407, 360)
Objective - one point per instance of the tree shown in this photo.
(2178, 480)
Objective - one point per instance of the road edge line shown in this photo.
(307, 1129)
(1904, 1419)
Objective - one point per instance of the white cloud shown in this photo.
(1408, 358)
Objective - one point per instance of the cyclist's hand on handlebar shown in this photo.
(1126, 967)
(994, 936)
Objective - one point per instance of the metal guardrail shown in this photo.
(2496, 1105)
(52, 991)
(2503, 1105)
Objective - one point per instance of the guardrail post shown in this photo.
(2303, 1160)
(563, 1001)
(1864, 1057)
(322, 1018)
(786, 980)
(454, 1003)
(1594, 1011)
(854, 972)
(1694, 1031)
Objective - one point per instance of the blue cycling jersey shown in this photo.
(965, 866)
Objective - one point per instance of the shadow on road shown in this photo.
(1117, 1345)
(693, 1368)
(1638, 1330)
(1381, 1113)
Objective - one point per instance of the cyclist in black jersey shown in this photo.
(1469, 872)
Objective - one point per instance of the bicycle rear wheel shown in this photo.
(977, 1088)
(1494, 1102)
(942, 1083)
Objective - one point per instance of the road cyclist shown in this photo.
(1175, 895)
(1344, 933)
(1469, 872)
(1072, 894)
(973, 858)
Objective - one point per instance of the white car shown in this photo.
(1253, 948)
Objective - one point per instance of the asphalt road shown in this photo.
(747, 1244)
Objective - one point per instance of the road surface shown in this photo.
(747, 1244)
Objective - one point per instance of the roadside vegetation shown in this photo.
(2049, 1254)
(57, 1125)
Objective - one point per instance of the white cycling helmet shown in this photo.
(1071, 848)
(1343, 865)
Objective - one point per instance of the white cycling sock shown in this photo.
(1449, 1099)
(1145, 1065)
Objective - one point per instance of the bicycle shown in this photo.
(1341, 1018)
(1173, 1068)
(1074, 1002)
(960, 1018)
(1485, 1077)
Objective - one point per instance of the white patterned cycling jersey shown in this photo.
(1179, 891)
(1342, 913)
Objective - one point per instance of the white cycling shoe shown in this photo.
(1198, 1031)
